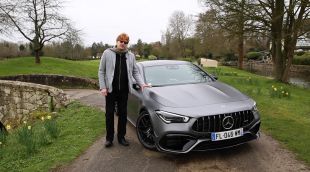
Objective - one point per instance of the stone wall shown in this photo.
(59, 81)
(267, 69)
(19, 99)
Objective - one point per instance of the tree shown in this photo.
(286, 20)
(231, 15)
(212, 38)
(139, 47)
(4, 20)
(180, 27)
(39, 21)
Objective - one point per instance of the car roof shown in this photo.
(162, 62)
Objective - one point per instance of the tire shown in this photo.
(145, 131)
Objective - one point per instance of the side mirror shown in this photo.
(213, 76)
(136, 87)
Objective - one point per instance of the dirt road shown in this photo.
(261, 155)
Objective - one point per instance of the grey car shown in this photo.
(187, 109)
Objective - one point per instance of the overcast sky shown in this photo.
(103, 20)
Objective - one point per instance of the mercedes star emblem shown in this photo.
(228, 122)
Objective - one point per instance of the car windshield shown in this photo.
(173, 74)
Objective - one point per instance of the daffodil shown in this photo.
(0, 143)
(272, 86)
(49, 117)
(275, 89)
(282, 92)
(29, 127)
(25, 122)
(286, 93)
(8, 127)
(42, 118)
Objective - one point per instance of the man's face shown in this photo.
(121, 44)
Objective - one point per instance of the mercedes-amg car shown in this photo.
(187, 109)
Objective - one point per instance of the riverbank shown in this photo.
(299, 75)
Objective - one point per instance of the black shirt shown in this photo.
(120, 79)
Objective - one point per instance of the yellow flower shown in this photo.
(0, 143)
(286, 93)
(282, 92)
(42, 118)
(272, 86)
(49, 117)
(8, 127)
(25, 122)
(29, 127)
(275, 89)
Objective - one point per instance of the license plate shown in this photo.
(216, 136)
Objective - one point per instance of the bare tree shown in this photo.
(39, 21)
(286, 20)
(231, 15)
(4, 20)
(212, 38)
(180, 27)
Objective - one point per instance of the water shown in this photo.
(298, 79)
(300, 82)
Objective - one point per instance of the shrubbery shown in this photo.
(152, 57)
(302, 60)
(254, 56)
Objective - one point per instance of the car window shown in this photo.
(175, 74)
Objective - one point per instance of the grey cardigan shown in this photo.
(107, 66)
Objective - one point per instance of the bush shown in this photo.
(152, 57)
(138, 57)
(229, 57)
(302, 60)
(299, 53)
(189, 59)
(254, 56)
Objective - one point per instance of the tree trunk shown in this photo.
(277, 22)
(240, 51)
(37, 56)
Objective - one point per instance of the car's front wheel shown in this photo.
(145, 130)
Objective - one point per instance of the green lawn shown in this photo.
(79, 127)
(49, 65)
(286, 119)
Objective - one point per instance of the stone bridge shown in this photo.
(19, 99)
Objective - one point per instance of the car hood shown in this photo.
(192, 95)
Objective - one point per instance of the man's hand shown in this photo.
(104, 92)
(145, 86)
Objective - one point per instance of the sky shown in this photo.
(103, 20)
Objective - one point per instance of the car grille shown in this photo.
(214, 123)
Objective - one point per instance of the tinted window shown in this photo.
(175, 74)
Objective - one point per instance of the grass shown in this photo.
(286, 119)
(79, 127)
(49, 65)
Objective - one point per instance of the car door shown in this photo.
(135, 101)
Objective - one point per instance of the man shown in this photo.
(116, 72)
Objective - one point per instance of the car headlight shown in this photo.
(254, 108)
(168, 117)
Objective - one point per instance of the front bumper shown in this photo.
(172, 139)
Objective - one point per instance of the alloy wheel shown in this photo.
(145, 131)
